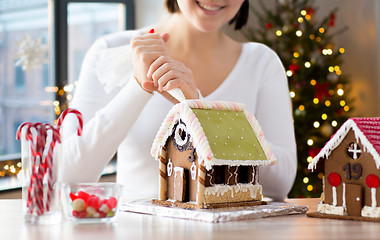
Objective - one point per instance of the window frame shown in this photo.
(59, 65)
(59, 36)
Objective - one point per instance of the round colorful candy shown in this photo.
(372, 181)
(334, 179)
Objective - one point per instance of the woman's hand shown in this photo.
(146, 49)
(155, 70)
(168, 73)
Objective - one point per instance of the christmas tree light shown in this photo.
(318, 87)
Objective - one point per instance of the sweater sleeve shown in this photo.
(107, 119)
(274, 112)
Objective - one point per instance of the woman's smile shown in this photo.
(210, 7)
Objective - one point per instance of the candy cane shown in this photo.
(39, 165)
(49, 163)
(79, 116)
(28, 136)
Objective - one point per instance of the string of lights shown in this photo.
(317, 86)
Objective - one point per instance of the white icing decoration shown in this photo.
(178, 137)
(178, 170)
(218, 190)
(368, 211)
(344, 196)
(236, 174)
(170, 167)
(253, 175)
(355, 151)
(334, 196)
(373, 197)
(193, 171)
(330, 209)
(210, 175)
(230, 176)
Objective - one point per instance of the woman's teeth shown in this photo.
(209, 7)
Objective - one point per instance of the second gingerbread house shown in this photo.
(352, 170)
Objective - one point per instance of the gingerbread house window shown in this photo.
(181, 139)
(244, 175)
(219, 174)
(353, 150)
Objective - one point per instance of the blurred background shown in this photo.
(330, 51)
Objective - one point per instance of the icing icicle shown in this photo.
(373, 197)
(334, 196)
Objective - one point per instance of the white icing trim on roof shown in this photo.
(338, 138)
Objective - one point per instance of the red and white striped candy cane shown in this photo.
(49, 163)
(31, 201)
(40, 168)
(63, 116)
(35, 188)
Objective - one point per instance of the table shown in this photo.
(136, 226)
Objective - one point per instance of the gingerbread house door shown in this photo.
(354, 199)
(179, 184)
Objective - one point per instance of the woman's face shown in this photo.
(209, 15)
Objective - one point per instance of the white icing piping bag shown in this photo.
(177, 94)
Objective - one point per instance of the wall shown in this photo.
(361, 41)
(149, 12)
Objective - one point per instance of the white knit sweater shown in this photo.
(124, 118)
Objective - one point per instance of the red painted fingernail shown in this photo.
(151, 30)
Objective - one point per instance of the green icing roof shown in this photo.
(230, 135)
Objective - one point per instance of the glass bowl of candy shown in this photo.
(90, 202)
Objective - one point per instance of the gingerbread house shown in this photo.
(351, 164)
(209, 154)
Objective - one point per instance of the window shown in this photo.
(86, 20)
(38, 94)
(244, 174)
(220, 174)
(353, 150)
(19, 78)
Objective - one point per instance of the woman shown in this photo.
(190, 52)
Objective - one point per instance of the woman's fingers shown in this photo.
(145, 50)
(168, 73)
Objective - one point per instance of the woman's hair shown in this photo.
(240, 18)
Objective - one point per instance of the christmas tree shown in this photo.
(318, 88)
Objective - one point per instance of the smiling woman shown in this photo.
(123, 110)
